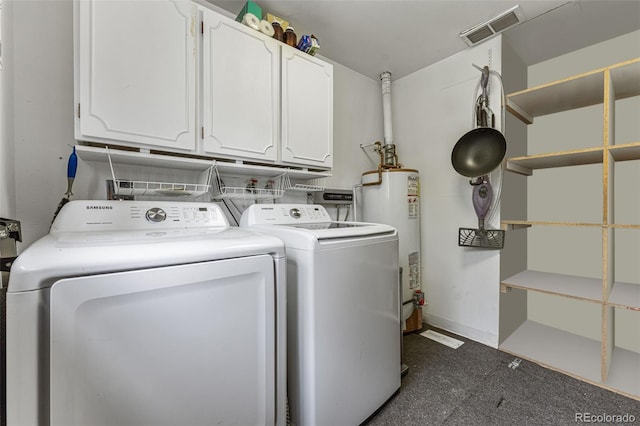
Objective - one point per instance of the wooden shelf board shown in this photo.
(91, 153)
(629, 151)
(625, 295)
(508, 224)
(555, 159)
(513, 225)
(556, 349)
(562, 95)
(624, 373)
(623, 226)
(626, 78)
(575, 92)
(582, 288)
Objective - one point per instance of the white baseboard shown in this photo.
(480, 336)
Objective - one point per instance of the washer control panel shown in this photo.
(184, 214)
(131, 215)
(283, 214)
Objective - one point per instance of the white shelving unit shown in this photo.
(599, 362)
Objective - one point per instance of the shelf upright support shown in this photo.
(517, 168)
(519, 112)
(608, 232)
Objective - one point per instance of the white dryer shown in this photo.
(147, 313)
(344, 330)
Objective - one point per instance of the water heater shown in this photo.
(392, 196)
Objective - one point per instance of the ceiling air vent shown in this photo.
(493, 26)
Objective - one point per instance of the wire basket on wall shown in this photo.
(314, 185)
(248, 188)
(128, 187)
(481, 238)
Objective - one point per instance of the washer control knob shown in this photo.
(295, 213)
(156, 214)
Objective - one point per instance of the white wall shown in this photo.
(579, 251)
(43, 110)
(432, 109)
(7, 188)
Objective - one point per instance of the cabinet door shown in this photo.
(136, 71)
(240, 90)
(307, 110)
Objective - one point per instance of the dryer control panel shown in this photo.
(110, 215)
(284, 214)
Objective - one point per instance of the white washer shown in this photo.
(147, 313)
(344, 331)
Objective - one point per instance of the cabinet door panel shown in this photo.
(307, 110)
(137, 72)
(240, 90)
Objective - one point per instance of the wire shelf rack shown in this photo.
(254, 188)
(164, 189)
(259, 188)
(314, 185)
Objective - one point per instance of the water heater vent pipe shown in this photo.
(389, 149)
(385, 77)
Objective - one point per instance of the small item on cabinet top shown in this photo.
(278, 32)
(272, 18)
(315, 45)
(250, 7)
(290, 37)
(266, 28)
(251, 21)
(304, 44)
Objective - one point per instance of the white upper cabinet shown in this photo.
(240, 90)
(136, 72)
(177, 76)
(307, 110)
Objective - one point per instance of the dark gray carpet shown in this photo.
(473, 385)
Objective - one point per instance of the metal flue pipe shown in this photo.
(389, 149)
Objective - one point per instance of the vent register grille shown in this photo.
(494, 26)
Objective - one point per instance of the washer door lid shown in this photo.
(155, 346)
